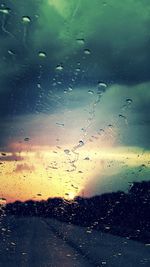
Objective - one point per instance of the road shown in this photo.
(38, 242)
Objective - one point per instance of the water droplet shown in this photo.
(81, 143)
(13, 244)
(26, 139)
(42, 54)
(5, 11)
(82, 129)
(60, 124)
(3, 154)
(80, 41)
(101, 131)
(122, 116)
(142, 167)
(78, 70)
(100, 84)
(91, 92)
(87, 52)
(87, 158)
(66, 151)
(74, 186)
(104, 262)
(10, 52)
(101, 87)
(39, 85)
(129, 101)
(26, 20)
(89, 231)
(59, 67)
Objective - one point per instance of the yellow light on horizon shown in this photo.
(59, 174)
(71, 195)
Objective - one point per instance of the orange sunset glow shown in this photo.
(49, 172)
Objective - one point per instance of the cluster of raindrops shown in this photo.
(101, 89)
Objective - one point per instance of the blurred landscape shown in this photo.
(118, 213)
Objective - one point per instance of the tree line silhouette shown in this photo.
(125, 214)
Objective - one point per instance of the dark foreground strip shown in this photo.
(73, 245)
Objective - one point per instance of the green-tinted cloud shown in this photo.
(116, 33)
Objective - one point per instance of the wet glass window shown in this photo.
(74, 133)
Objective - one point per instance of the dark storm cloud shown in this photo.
(115, 34)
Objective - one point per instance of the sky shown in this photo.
(74, 97)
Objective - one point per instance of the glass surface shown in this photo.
(74, 133)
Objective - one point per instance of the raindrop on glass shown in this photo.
(26, 20)
(122, 116)
(129, 101)
(26, 139)
(80, 41)
(81, 143)
(10, 52)
(66, 151)
(87, 52)
(101, 88)
(60, 124)
(42, 54)
(91, 92)
(59, 67)
(87, 158)
(5, 11)
(3, 154)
